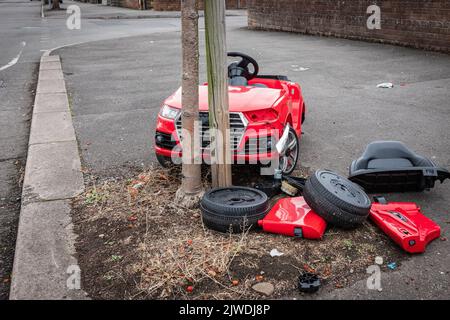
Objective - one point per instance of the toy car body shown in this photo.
(261, 109)
(294, 218)
(404, 223)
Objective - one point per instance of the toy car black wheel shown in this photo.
(288, 161)
(165, 162)
(308, 283)
(230, 223)
(235, 201)
(233, 208)
(336, 199)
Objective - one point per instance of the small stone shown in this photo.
(265, 288)
(101, 236)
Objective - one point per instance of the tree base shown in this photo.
(188, 200)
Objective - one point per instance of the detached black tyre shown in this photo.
(233, 208)
(336, 199)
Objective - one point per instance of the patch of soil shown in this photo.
(134, 242)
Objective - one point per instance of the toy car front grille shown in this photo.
(238, 125)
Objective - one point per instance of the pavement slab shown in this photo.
(53, 171)
(51, 102)
(44, 261)
(51, 126)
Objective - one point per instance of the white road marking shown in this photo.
(15, 60)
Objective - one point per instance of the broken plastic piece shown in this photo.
(309, 282)
(293, 217)
(404, 223)
(385, 85)
(275, 253)
(392, 265)
(390, 166)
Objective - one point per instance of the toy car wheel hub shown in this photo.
(335, 184)
(289, 159)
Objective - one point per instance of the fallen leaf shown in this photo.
(307, 268)
(259, 278)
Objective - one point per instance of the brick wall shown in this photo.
(174, 5)
(417, 23)
(131, 4)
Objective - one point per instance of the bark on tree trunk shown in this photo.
(191, 186)
(55, 5)
(216, 58)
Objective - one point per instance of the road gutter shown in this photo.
(45, 266)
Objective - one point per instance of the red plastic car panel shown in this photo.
(293, 217)
(404, 223)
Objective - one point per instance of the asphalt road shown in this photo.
(24, 37)
(117, 87)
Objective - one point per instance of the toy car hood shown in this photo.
(241, 99)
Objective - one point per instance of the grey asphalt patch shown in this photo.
(44, 247)
(42, 266)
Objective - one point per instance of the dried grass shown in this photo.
(166, 249)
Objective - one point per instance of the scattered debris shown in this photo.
(275, 253)
(309, 282)
(265, 288)
(296, 67)
(217, 266)
(379, 260)
(392, 265)
(385, 85)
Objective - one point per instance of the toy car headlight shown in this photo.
(262, 115)
(168, 112)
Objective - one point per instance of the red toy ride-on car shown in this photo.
(263, 108)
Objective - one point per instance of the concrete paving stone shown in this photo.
(50, 65)
(50, 102)
(51, 127)
(50, 59)
(44, 265)
(53, 171)
(53, 74)
(51, 86)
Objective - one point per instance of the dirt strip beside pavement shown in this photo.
(44, 263)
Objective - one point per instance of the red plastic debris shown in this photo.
(404, 223)
(293, 217)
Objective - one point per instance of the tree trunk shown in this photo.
(219, 123)
(55, 5)
(191, 186)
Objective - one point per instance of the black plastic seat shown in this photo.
(387, 166)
